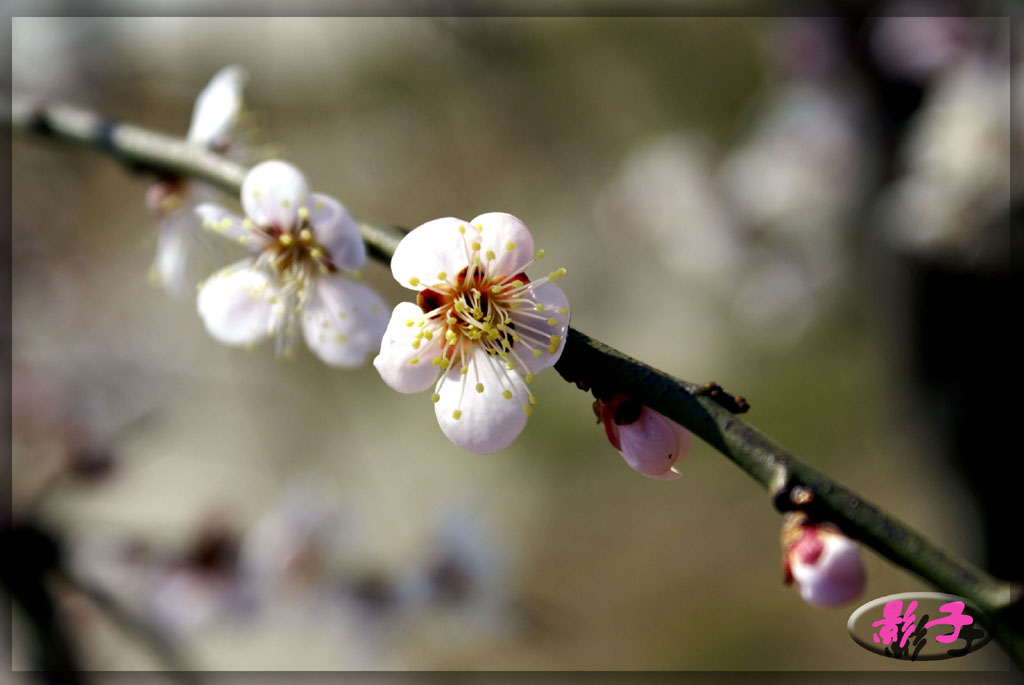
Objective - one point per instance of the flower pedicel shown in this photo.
(480, 328)
(306, 248)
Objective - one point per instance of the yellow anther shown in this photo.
(479, 387)
(285, 239)
(464, 370)
(510, 246)
(303, 213)
(555, 339)
(416, 344)
(495, 289)
(435, 397)
(561, 272)
(533, 400)
(528, 410)
(552, 321)
(451, 336)
(475, 246)
(516, 283)
(563, 310)
(436, 361)
(507, 394)
(247, 223)
(414, 281)
(341, 338)
(540, 254)
(429, 334)
(305, 235)
(479, 226)
(528, 378)
(414, 361)
(490, 254)
(515, 338)
(441, 276)
(462, 229)
(316, 253)
(457, 414)
(537, 353)
(242, 239)
(451, 320)
(552, 349)
(408, 322)
(445, 363)
(539, 307)
(509, 366)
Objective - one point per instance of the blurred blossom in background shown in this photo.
(814, 212)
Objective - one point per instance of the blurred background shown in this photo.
(813, 212)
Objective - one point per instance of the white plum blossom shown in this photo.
(824, 563)
(650, 442)
(480, 328)
(306, 250)
(214, 118)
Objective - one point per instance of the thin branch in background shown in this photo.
(588, 362)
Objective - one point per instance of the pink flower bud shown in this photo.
(649, 442)
(824, 563)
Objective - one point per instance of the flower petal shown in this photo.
(653, 444)
(272, 193)
(343, 321)
(336, 230)
(394, 363)
(435, 247)
(487, 421)
(222, 222)
(217, 107)
(508, 238)
(236, 305)
(172, 247)
(535, 330)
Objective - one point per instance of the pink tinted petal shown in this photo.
(343, 321)
(171, 260)
(217, 107)
(235, 305)
(272, 193)
(653, 444)
(488, 421)
(218, 220)
(435, 247)
(394, 363)
(835, 577)
(551, 297)
(508, 238)
(336, 230)
(168, 196)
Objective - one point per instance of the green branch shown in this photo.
(587, 362)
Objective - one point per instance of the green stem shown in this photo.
(588, 362)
